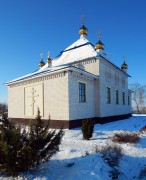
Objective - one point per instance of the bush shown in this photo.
(126, 137)
(111, 153)
(21, 150)
(143, 130)
(142, 174)
(87, 129)
(3, 108)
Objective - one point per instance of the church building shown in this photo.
(80, 83)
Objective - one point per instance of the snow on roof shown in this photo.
(81, 49)
(36, 73)
(51, 70)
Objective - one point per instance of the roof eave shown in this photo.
(40, 74)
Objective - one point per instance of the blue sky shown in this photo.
(31, 27)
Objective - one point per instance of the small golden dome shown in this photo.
(99, 45)
(124, 65)
(41, 64)
(83, 30)
(49, 61)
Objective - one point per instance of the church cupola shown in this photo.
(41, 63)
(99, 47)
(83, 30)
(49, 61)
(124, 66)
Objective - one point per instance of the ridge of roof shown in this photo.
(81, 49)
(77, 47)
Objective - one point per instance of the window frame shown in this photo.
(117, 96)
(108, 95)
(82, 92)
(123, 98)
(129, 99)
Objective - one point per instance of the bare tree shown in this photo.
(138, 95)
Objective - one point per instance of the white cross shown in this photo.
(33, 99)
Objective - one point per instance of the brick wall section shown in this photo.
(80, 110)
(56, 95)
(55, 100)
(107, 80)
(16, 102)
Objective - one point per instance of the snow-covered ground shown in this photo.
(77, 158)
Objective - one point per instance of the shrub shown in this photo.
(3, 108)
(142, 174)
(143, 130)
(87, 129)
(114, 174)
(111, 153)
(21, 150)
(126, 137)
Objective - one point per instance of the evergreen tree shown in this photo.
(22, 149)
(87, 129)
(44, 143)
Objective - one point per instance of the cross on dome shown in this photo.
(41, 63)
(99, 33)
(41, 56)
(124, 66)
(49, 61)
(49, 53)
(83, 19)
(124, 58)
(99, 45)
(83, 30)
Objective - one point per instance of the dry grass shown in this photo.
(126, 137)
(111, 153)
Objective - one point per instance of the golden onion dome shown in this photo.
(41, 64)
(124, 65)
(83, 30)
(99, 45)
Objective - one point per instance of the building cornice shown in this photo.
(49, 75)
